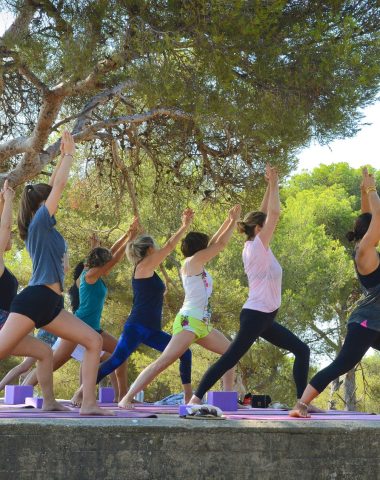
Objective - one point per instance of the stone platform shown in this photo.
(169, 447)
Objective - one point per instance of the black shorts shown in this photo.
(38, 302)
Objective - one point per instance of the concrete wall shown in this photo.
(171, 448)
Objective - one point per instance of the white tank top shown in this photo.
(198, 289)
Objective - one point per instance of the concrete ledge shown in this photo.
(172, 448)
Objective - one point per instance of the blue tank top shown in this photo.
(91, 301)
(148, 299)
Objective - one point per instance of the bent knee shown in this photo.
(92, 341)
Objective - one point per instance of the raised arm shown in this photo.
(273, 213)
(151, 262)
(95, 273)
(61, 175)
(207, 254)
(366, 255)
(6, 221)
(265, 201)
(365, 208)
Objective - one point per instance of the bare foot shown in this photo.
(313, 409)
(195, 401)
(54, 406)
(128, 404)
(299, 410)
(77, 398)
(95, 410)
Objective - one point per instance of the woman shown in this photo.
(259, 312)
(144, 322)
(41, 303)
(192, 324)
(363, 329)
(92, 294)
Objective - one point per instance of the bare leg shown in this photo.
(60, 357)
(17, 371)
(109, 345)
(301, 407)
(69, 327)
(176, 347)
(14, 340)
(216, 342)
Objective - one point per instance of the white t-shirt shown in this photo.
(264, 277)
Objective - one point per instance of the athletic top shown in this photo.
(367, 309)
(47, 248)
(264, 277)
(148, 299)
(8, 289)
(91, 301)
(198, 289)
(371, 280)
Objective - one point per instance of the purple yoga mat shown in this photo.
(313, 417)
(72, 414)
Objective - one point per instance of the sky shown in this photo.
(356, 151)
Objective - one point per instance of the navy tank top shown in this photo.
(8, 289)
(367, 310)
(148, 299)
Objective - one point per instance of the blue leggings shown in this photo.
(133, 335)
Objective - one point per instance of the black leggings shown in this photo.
(254, 324)
(358, 340)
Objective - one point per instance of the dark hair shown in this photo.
(249, 223)
(98, 257)
(361, 226)
(193, 243)
(74, 290)
(31, 199)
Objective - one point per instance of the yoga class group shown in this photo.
(62, 334)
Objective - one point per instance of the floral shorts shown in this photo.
(3, 316)
(46, 337)
(190, 324)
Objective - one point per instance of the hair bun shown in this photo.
(351, 236)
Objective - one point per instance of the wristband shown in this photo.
(371, 189)
(68, 155)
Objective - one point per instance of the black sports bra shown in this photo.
(372, 279)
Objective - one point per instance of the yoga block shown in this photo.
(35, 402)
(16, 394)
(227, 401)
(182, 411)
(106, 394)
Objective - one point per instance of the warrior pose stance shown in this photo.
(192, 324)
(144, 322)
(41, 303)
(258, 313)
(363, 329)
(92, 295)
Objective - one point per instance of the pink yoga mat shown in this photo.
(313, 417)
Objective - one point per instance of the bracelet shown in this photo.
(371, 189)
(68, 155)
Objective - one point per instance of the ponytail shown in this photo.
(74, 290)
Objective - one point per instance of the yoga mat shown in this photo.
(313, 417)
(72, 414)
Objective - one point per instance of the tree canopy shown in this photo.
(202, 92)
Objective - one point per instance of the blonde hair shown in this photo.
(137, 249)
(248, 224)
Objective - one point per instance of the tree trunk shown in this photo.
(334, 387)
(350, 390)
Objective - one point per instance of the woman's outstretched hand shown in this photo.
(368, 180)
(187, 217)
(7, 192)
(67, 144)
(234, 213)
